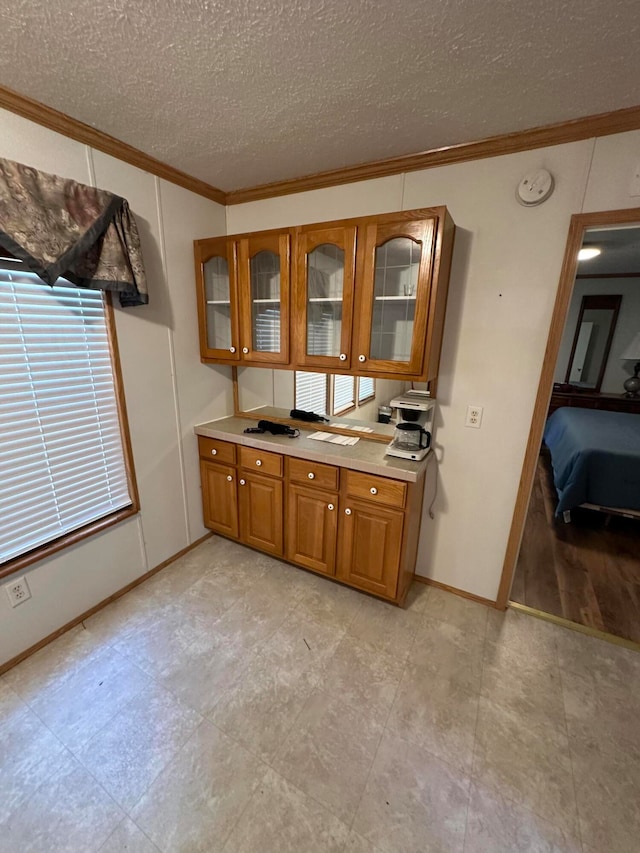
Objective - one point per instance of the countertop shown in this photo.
(366, 456)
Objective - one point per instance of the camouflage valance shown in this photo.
(59, 227)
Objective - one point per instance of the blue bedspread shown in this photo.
(595, 457)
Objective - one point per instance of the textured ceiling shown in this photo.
(246, 92)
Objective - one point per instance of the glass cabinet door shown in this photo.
(325, 296)
(217, 307)
(264, 297)
(396, 280)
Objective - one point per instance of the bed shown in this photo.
(595, 456)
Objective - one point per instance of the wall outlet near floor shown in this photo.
(474, 417)
(18, 591)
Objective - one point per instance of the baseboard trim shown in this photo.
(5, 667)
(575, 626)
(455, 591)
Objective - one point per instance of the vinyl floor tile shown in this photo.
(198, 798)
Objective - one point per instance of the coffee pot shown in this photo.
(411, 437)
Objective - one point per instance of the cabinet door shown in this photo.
(370, 547)
(325, 268)
(394, 283)
(220, 498)
(263, 281)
(217, 299)
(261, 518)
(312, 527)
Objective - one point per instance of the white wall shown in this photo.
(167, 390)
(627, 327)
(505, 274)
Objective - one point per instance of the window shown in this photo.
(366, 389)
(63, 468)
(344, 394)
(311, 392)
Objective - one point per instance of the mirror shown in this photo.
(602, 318)
(343, 399)
(592, 341)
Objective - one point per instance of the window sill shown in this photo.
(20, 563)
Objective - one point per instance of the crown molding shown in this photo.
(603, 124)
(74, 129)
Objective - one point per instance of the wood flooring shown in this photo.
(587, 571)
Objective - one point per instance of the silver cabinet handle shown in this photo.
(242, 482)
(311, 475)
(229, 478)
(330, 506)
(362, 358)
(343, 356)
(347, 511)
(373, 490)
(245, 350)
(258, 462)
(232, 349)
(214, 452)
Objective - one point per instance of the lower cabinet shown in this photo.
(220, 498)
(361, 529)
(261, 512)
(312, 528)
(370, 547)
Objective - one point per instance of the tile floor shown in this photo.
(234, 703)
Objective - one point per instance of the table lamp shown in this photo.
(632, 353)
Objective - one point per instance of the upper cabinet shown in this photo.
(263, 284)
(243, 289)
(325, 272)
(367, 295)
(217, 299)
(394, 287)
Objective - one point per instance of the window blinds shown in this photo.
(311, 392)
(61, 457)
(343, 393)
(366, 388)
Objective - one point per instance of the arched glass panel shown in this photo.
(265, 301)
(397, 263)
(218, 296)
(325, 289)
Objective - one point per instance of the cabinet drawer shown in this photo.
(377, 489)
(313, 474)
(262, 461)
(215, 450)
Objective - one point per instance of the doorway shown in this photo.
(574, 543)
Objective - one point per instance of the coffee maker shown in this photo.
(412, 438)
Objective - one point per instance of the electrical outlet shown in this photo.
(474, 417)
(18, 591)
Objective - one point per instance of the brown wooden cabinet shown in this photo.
(220, 498)
(312, 528)
(217, 295)
(243, 294)
(369, 295)
(360, 528)
(370, 547)
(263, 285)
(324, 285)
(261, 517)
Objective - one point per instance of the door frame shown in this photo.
(580, 222)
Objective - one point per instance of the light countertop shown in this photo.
(366, 456)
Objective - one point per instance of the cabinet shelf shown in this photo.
(218, 302)
(395, 298)
(326, 299)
